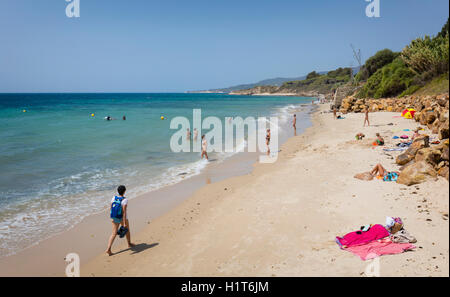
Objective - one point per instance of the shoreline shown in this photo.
(273, 221)
(88, 238)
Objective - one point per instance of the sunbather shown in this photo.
(380, 172)
(360, 136)
(380, 140)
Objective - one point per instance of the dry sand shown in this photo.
(282, 219)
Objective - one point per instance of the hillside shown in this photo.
(275, 82)
(314, 84)
(266, 82)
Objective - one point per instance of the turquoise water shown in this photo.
(60, 164)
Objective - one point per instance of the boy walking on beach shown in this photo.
(119, 216)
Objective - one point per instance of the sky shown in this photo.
(175, 46)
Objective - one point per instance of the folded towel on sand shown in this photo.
(360, 237)
(378, 248)
(364, 176)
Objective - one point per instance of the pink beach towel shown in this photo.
(379, 248)
(359, 237)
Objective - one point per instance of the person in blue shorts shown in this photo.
(119, 216)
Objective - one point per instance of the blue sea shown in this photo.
(60, 160)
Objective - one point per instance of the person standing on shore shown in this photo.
(188, 134)
(268, 141)
(119, 216)
(195, 134)
(204, 147)
(335, 112)
(294, 122)
(366, 118)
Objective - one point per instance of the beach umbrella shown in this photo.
(408, 113)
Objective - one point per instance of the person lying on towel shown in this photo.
(381, 173)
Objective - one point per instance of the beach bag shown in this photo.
(402, 236)
(116, 208)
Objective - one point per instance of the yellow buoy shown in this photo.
(162, 118)
(92, 114)
(24, 110)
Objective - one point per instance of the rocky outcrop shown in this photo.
(428, 108)
(416, 173)
(435, 157)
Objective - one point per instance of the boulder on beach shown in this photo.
(444, 172)
(407, 156)
(444, 155)
(421, 142)
(416, 173)
(443, 132)
(429, 155)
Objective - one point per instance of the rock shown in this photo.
(442, 164)
(429, 155)
(430, 117)
(443, 132)
(407, 156)
(441, 102)
(443, 116)
(417, 116)
(406, 165)
(444, 155)
(444, 171)
(435, 126)
(421, 142)
(416, 173)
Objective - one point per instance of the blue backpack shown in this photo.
(116, 208)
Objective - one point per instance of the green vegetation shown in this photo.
(390, 80)
(436, 86)
(427, 57)
(312, 75)
(374, 63)
(321, 83)
(399, 74)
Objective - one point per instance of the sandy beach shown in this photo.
(282, 219)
